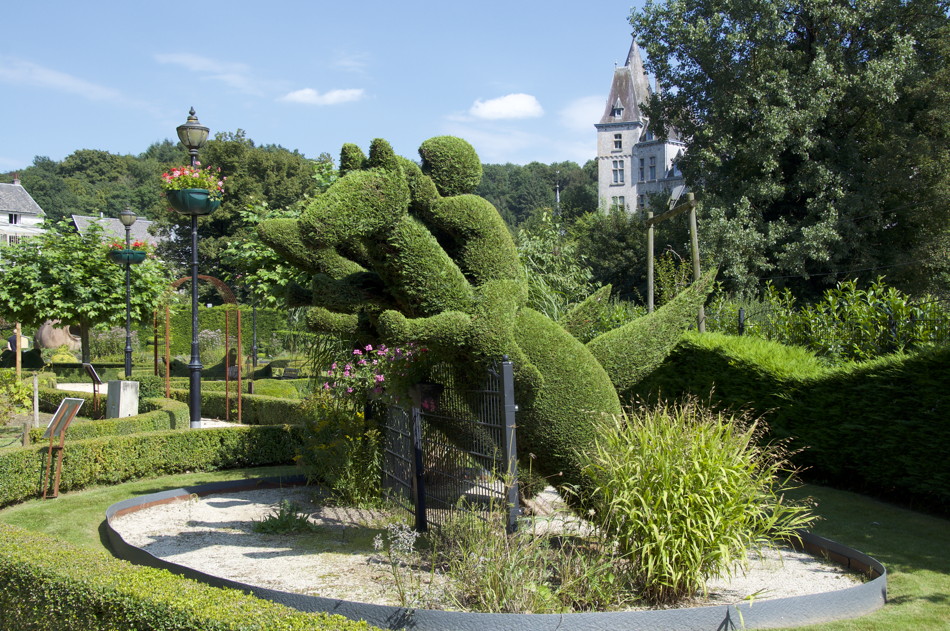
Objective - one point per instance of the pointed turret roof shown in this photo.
(630, 88)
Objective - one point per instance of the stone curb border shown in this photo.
(851, 602)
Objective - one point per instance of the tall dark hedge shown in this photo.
(880, 427)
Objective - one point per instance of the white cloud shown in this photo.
(236, 75)
(309, 96)
(508, 106)
(21, 72)
(350, 62)
(581, 114)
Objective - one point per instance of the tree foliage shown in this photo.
(63, 275)
(818, 133)
(516, 191)
(266, 175)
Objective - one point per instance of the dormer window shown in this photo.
(617, 110)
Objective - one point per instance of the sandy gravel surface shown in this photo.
(214, 535)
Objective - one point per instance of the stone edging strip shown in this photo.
(851, 602)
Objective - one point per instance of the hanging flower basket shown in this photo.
(192, 201)
(133, 257)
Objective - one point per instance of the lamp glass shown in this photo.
(127, 217)
(192, 133)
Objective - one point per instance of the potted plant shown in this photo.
(192, 190)
(134, 254)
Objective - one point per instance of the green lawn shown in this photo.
(914, 547)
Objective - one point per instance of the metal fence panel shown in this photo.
(454, 450)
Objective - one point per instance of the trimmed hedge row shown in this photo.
(157, 414)
(74, 372)
(256, 409)
(880, 427)
(48, 584)
(115, 459)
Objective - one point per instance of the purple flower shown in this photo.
(326, 386)
(380, 378)
(357, 351)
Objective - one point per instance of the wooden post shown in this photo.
(155, 342)
(239, 363)
(227, 366)
(36, 400)
(694, 246)
(168, 354)
(649, 261)
(16, 350)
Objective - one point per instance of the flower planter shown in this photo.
(192, 201)
(133, 257)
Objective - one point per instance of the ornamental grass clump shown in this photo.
(687, 493)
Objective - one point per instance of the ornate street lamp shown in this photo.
(193, 136)
(127, 217)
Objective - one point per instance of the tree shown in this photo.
(268, 175)
(64, 275)
(817, 133)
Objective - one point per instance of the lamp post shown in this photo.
(193, 136)
(127, 217)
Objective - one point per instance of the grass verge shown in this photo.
(913, 546)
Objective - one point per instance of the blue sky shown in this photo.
(522, 80)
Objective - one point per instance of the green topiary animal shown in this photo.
(401, 253)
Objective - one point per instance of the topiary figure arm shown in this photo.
(632, 351)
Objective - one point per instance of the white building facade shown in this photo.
(20, 216)
(631, 164)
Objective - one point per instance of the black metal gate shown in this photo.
(454, 449)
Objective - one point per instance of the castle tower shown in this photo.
(631, 163)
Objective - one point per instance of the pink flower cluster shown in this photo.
(180, 178)
(364, 372)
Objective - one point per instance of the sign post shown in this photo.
(64, 415)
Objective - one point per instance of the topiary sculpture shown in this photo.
(403, 254)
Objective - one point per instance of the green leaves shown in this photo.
(808, 135)
(687, 493)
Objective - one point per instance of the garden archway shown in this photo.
(229, 299)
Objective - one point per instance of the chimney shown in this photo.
(16, 179)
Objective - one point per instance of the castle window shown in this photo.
(652, 167)
(618, 171)
(640, 201)
(617, 110)
(618, 202)
(618, 142)
(641, 169)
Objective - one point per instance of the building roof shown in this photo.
(113, 228)
(630, 88)
(15, 199)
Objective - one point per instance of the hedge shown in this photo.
(269, 322)
(49, 584)
(256, 409)
(156, 414)
(880, 427)
(115, 459)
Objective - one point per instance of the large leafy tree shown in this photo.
(64, 275)
(817, 133)
(268, 176)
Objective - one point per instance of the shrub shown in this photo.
(48, 584)
(686, 493)
(342, 449)
(14, 395)
(156, 414)
(114, 459)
